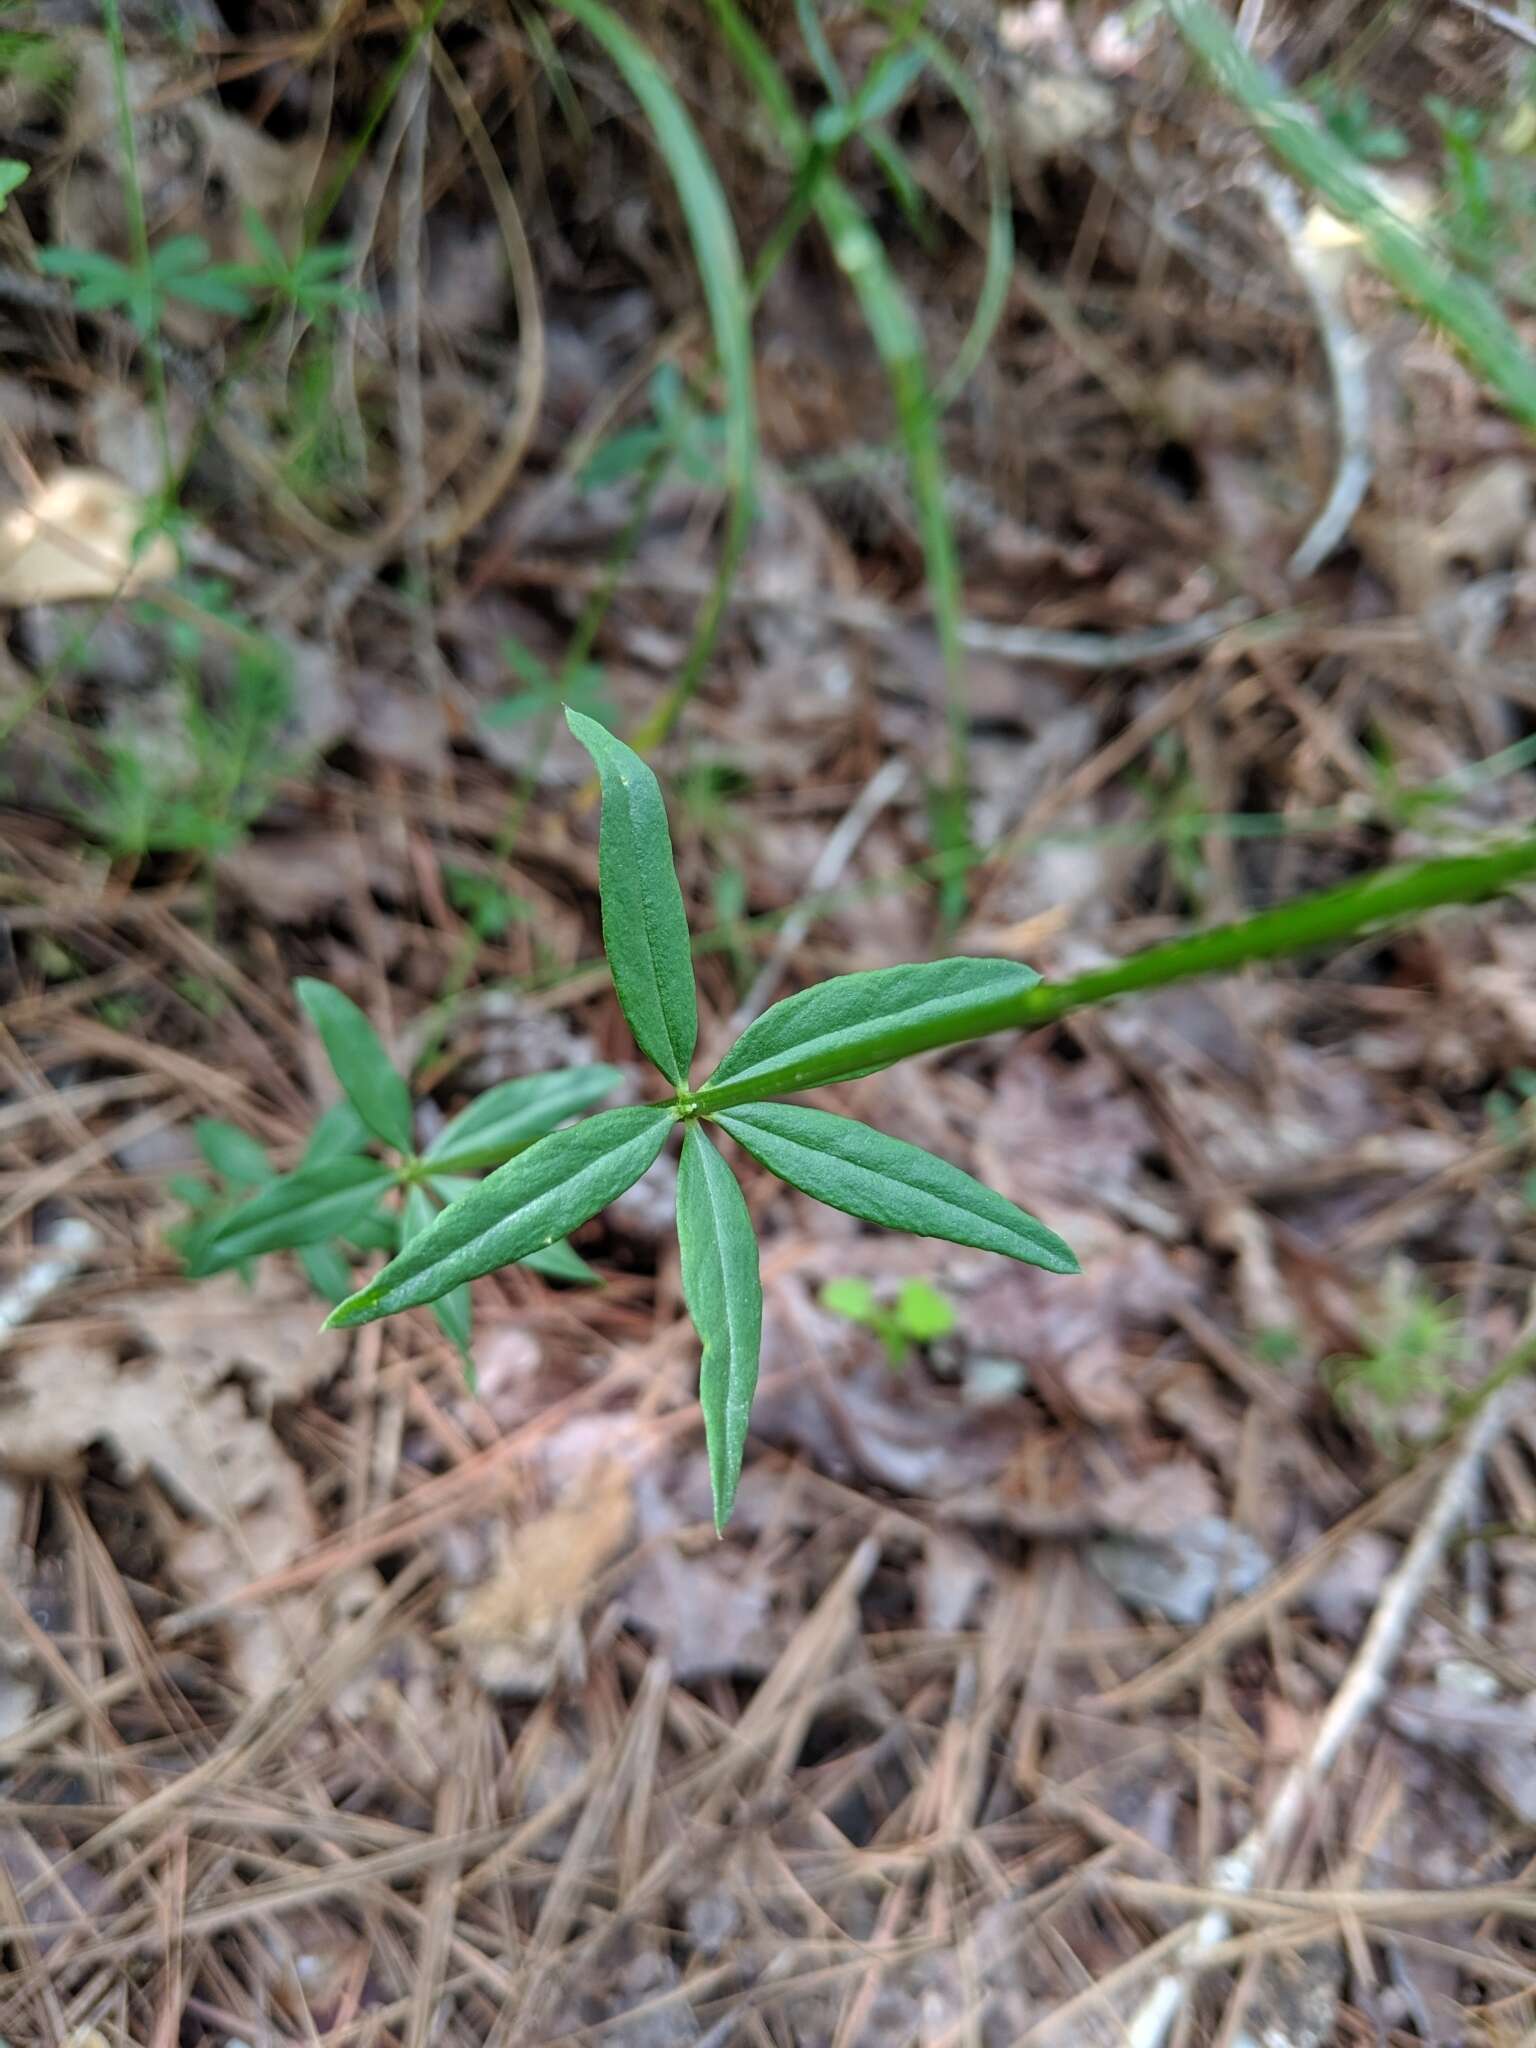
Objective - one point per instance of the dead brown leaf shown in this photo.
(522, 1628)
(184, 1395)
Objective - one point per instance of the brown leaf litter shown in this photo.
(183, 1388)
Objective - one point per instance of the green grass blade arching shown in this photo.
(365, 1071)
(885, 1180)
(525, 1206)
(306, 1207)
(898, 340)
(497, 1123)
(1424, 274)
(645, 927)
(853, 1024)
(724, 1294)
(997, 272)
(721, 276)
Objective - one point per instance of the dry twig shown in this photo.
(1363, 1685)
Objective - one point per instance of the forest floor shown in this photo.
(342, 1704)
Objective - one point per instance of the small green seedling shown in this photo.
(919, 1315)
(1512, 1114)
(313, 283)
(486, 907)
(680, 434)
(12, 175)
(337, 1195)
(181, 267)
(201, 790)
(1412, 1342)
(841, 1029)
(545, 692)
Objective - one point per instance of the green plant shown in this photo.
(12, 175)
(1348, 114)
(835, 1031)
(199, 790)
(1413, 259)
(680, 432)
(919, 1315)
(485, 906)
(1512, 1113)
(580, 685)
(337, 1195)
(840, 1030)
(1411, 1342)
(312, 282)
(181, 267)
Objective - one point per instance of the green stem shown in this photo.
(1326, 919)
(138, 234)
(1423, 273)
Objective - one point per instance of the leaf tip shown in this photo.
(346, 1315)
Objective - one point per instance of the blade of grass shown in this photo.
(138, 233)
(992, 300)
(1422, 272)
(721, 276)
(898, 339)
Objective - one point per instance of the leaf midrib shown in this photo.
(649, 924)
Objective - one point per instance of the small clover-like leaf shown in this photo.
(645, 928)
(505, 1118)
(857, 1023)
(884, 1180)
(725, 1299)
(306, 1207)
(525, 1206)
(361, 1064)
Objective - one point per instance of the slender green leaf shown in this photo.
(454, 1311)
(378, 1231)
(232, 1153)
(12, 174)
(718, 257)
(725, 1298)
(178, 256)
(898, 338)
(306, 1207)
(525, 1206)
(1399, 247)
(998, 275)
(645, 928)
(507, 1117)
(339, 1133)
(327, 1270)
(217, 289)
(361, 1064)
(856, 1024)
(884, 1180)
(557, 1261)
